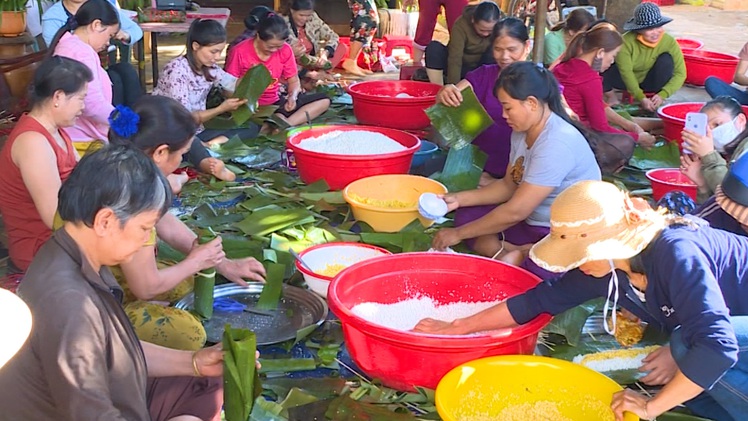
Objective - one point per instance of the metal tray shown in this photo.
(298, 309)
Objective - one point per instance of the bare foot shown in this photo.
(218, 169)
(219, 140)
(611, 98)
(177, 181)
(351, 67)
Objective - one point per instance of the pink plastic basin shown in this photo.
(402, 360)
(700, 64)
(340, 170)
(665, 180)
(375, 103)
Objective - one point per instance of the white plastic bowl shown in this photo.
(339, 253)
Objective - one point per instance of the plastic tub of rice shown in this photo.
(343, 154)
(398, 104)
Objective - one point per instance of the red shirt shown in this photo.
(583, 90)
(281, 65)
(26, 230)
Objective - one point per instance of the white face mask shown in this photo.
(724, 134)
(612, 290)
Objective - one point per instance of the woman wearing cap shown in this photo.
(650, 61)
(726, 140)
(728, 208)
(548, 154)
(675, 273)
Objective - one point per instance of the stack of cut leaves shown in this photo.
(632, 178)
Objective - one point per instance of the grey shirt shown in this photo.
(82, 360)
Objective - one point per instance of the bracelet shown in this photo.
(197, 373)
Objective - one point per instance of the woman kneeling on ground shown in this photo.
(38, 156)
(650, 62)
(548, 154)
(725, 141)
(591, 52)
(469, 45)
(163, 130)
(675, 273)
(189, 79)
(83, 360)
(269, 48)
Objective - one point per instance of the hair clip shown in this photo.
(124, 121)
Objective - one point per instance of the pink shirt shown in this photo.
(93, 124)
(281, 65)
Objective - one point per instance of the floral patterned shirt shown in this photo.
(178, 81)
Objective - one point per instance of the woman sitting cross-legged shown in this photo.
(469, 45)
(548, 154)
(650, 62)
(39, 155)
(675, 273)
(269, 48)
(163, 129)
(83, 361)
(189, 79)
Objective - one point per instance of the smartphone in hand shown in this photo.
(697, 123)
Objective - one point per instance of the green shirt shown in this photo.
(636, 59)
(714, 169)
(465, 48)
(555, 45)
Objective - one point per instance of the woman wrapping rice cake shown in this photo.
(675, 273)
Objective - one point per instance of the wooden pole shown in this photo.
(541, 17)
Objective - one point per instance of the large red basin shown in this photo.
(700, 64)
(403, 360)
(375, 103)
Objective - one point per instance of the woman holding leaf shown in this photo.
(190, 78)
(678, 274)
(548, 154)
(163, 130)
(82, 360)
(269, 48)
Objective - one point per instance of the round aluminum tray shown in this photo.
(297, 309)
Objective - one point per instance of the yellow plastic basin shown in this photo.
(390, 188)
(481, 389)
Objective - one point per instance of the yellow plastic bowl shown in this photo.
(389, 187)
(481, 389)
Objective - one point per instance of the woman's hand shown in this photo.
(636, 128)
(298, 48)
(450, 96)
(649, 104)
(209, 361)
(290, 103)
(231, 104)
(690, 166)
(122, 36)
(238, 270)
(437, 327)
(660, 365)
(699, 145)
(630, 401)
(485, 179)
(446, 237)
(657, 101)
(207, 255)
(646, 140)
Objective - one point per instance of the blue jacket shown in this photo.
(56, 17)
(711, 212)
(697, 278)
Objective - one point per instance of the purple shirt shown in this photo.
(495, 140)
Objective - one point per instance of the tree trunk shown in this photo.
(619, 11)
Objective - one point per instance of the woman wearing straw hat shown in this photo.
(650, 60)
(675, 273)
(728, 208)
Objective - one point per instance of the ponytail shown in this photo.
(90, 11)
(151, 122)
(602, 35)
(273, 26)
(254, 17)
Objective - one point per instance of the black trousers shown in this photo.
(198, 152)
(437, 55)
(657, 77)
(125, 84)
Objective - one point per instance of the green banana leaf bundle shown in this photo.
(250, 87)
(460, 125)
(241, 381)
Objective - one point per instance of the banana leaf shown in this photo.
(205, 282)
(241, 382)
(264, 410)
(463, 168)
(286, 365)
(346, 409)
(273, 288)
(662, 155)
(570, 323)
(460, 125)
(322, 388)
(272, 219)
(296, 397)
(250, 87)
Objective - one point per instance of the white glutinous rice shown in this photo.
(404, 315)
(404, 95)
(354, 142)
(614, 360)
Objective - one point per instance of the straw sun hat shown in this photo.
(594, 220)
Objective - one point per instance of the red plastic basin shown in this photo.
(402, 360)
(674, 118)
(700, 64)
(669, 179)
(689, 44)
(375, 103)
(340, 170)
